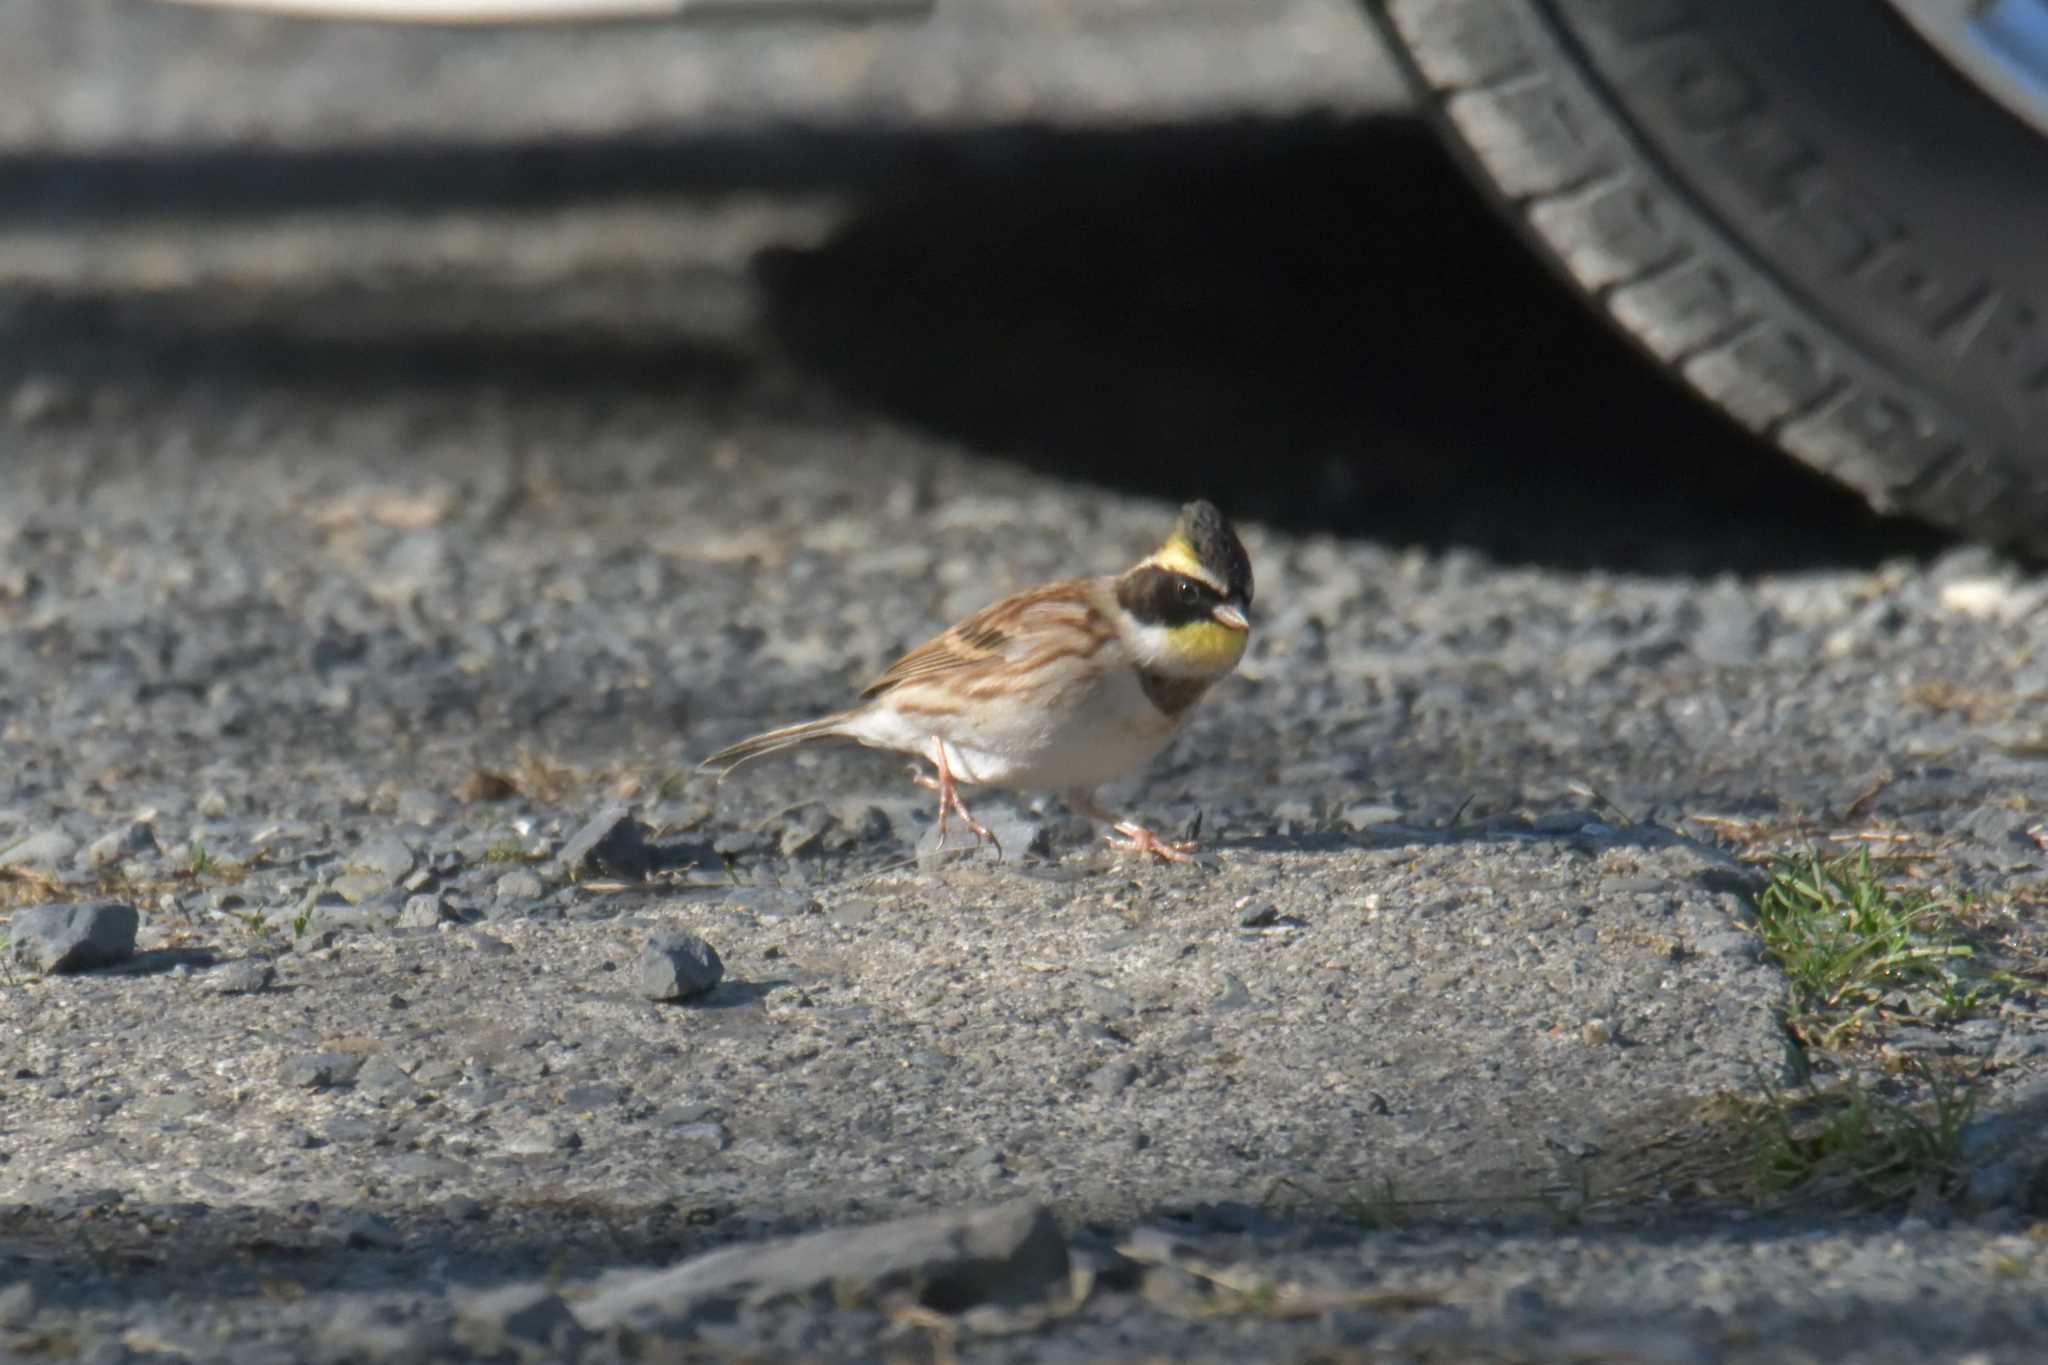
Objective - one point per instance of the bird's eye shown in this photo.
(1189, 593)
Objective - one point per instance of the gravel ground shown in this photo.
(373, 574)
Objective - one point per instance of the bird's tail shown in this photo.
(774, 742)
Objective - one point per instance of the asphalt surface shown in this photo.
(415, 443)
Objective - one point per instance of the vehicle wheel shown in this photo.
(1829, 216)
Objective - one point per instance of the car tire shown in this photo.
(1802, 209)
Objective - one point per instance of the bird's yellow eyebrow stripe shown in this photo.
(1179, 557)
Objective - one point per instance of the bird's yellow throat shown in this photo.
(1208, 646)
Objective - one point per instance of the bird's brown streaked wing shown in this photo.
(1011, 628)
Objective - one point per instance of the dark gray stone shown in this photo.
(676, 966)
(611, 844)
(1009, 1255)
(74, 938)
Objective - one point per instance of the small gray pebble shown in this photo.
(676, 966)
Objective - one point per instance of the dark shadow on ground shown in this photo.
(1313, 320)
(1316, 322)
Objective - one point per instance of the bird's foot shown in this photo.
(1141, 841)
(949, 800)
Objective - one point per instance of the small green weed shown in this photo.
(1844, 938)
(1853, 1145)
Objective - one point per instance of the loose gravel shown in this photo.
(361, 626)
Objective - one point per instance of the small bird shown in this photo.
(1058, 688)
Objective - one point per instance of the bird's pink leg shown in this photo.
(1137, 839)
(949, 796)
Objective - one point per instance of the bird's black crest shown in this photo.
(1215, 545)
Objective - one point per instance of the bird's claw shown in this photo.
(1141, 841)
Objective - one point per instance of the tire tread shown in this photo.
(1561, 154)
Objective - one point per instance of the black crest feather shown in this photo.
(1209, 534)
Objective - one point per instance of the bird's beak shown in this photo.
(1232, 615)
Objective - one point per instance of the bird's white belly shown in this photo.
(1111, 731)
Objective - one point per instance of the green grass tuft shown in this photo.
(1844, 939)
